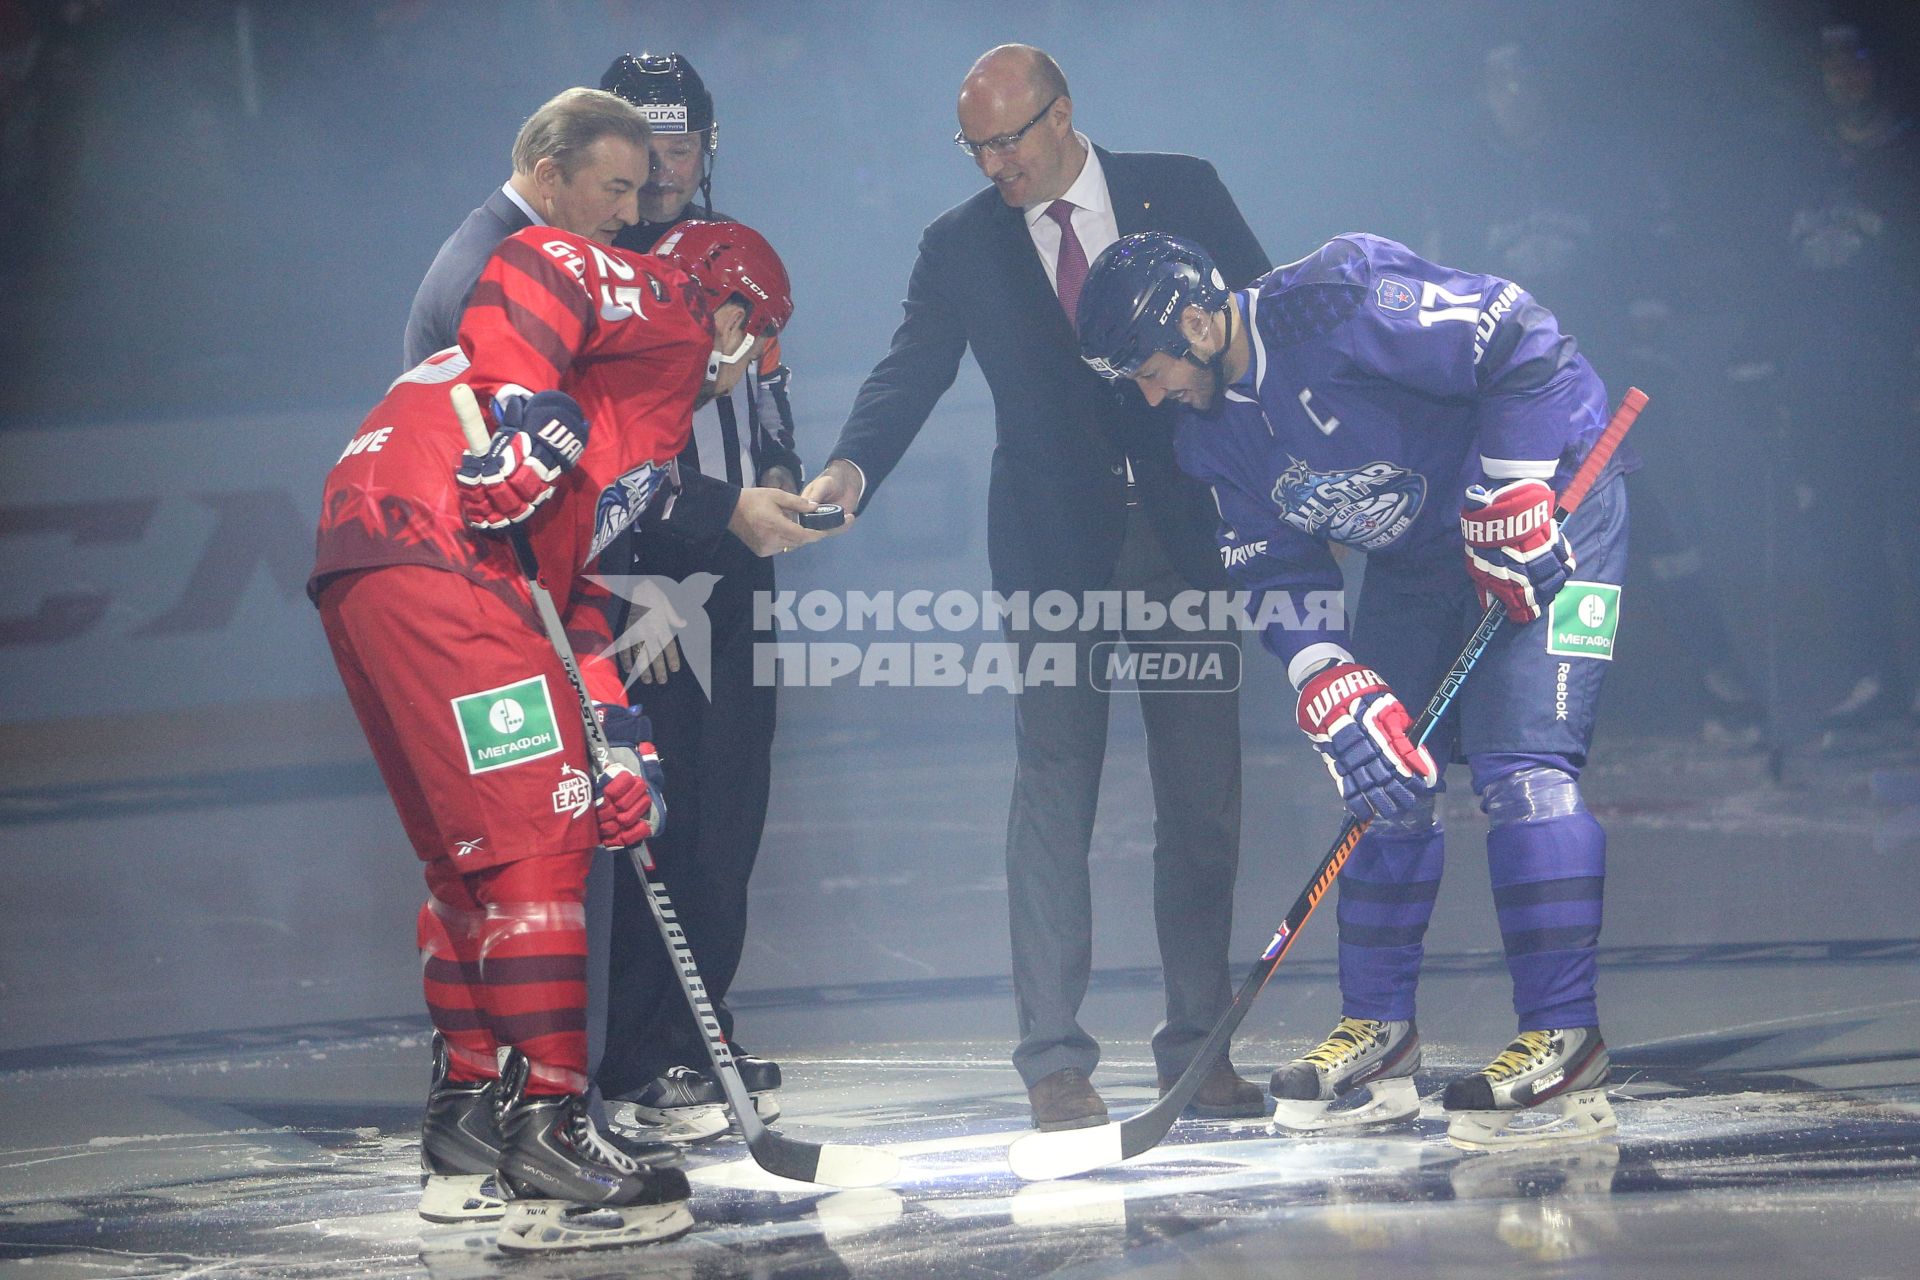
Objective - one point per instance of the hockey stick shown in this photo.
(833, 1164)
(1039, 1156)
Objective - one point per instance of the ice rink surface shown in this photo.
(212, 1055)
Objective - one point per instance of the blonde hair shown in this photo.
(570, 122)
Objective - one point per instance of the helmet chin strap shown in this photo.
(716, 358)
(1218, 361)
(1216, 364)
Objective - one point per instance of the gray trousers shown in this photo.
(1193, 758)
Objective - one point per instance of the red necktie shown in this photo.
(1070, 268)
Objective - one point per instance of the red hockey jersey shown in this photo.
(624, 334)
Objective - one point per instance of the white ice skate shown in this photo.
(1546, 1086)
(1360, 1077)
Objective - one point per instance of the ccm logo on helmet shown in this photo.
(747, 280)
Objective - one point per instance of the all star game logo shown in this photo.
(1368, 507)
(623, 502)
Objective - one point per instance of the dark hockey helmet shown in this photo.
(1131, 304)
(731, 260)
(668, 91)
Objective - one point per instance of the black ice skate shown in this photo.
(1873, 717)
(1360, 1077)
(762, 1077)
(1546, 1086)
(681, 1106)
(567, 1187)
(459, 1146)
(1735, 719)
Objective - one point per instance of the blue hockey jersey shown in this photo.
(1381, 385)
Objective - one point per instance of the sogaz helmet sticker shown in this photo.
(1582, 619)
(506, 726)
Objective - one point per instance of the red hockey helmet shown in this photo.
(731, 260)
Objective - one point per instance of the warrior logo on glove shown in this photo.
(1363, 733)
(1516, 554)
(540, 437)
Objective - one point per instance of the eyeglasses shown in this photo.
(1006, 142)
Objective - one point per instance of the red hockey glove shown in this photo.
(539, 438)
(1363, 733)
(1515, 552)
(630, 795)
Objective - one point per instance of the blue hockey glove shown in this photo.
(1362, 732)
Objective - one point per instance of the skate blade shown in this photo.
(453, 1198)
(684, 1125)
(553, 1226)
(1386, 1102)
(1567, 1118)
(765, 1105)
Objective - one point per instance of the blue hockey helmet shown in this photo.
(1131, 304)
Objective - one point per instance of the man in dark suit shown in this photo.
(578, 164)
(1084, 497)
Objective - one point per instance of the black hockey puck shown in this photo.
(827, 515)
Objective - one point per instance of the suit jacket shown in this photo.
(1057, 500)
(433, 322)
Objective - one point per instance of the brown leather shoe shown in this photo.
(1066, 1100)
(1223, 1094)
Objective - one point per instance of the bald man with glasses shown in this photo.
(1084, 498)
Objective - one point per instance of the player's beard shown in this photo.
(1215, 367)
(1214, 371)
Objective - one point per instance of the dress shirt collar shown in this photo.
(1089, 190)
(511, 194)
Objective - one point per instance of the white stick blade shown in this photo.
(845, 1166)
(1038, 1157)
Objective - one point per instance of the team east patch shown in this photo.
(574, 795)
(1393, 295)
(506, 726)
(1582, 620)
